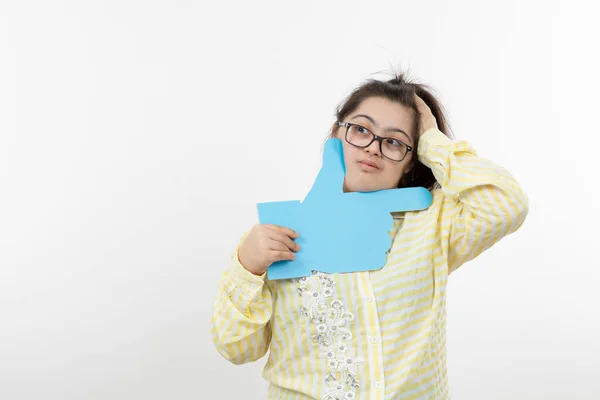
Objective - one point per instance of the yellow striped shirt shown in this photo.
(380, 334)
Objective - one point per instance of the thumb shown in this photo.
(392, 200)
(330, 179)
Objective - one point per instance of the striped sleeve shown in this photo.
(241, 313)
(482, 201)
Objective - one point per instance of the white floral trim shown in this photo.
(332, 335)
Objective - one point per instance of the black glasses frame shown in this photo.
(378, 138)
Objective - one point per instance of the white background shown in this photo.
(137, 136)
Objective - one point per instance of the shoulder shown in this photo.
(440, 200)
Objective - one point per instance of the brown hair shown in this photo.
(399, 89)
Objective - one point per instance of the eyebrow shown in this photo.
(391, 129)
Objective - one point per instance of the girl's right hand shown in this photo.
(266, 244)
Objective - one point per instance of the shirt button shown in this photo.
(378, 385)
(368, 299)
(373, 339)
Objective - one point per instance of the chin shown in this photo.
(363, 186)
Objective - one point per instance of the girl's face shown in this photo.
(367, 169)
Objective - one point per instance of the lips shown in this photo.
(368, 164)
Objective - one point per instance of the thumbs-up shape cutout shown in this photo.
(339, 232)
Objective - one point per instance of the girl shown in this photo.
(378, 334)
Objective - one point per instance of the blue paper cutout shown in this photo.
(339, 232)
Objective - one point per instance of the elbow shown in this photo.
(523, 206)
(239, 352)
(225, 348)
(236, 357)
(520, 210)
(228, 352)
(230, 356)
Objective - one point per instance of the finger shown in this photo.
(275, 245)
(330, 179)
(284, 240)
(281, 255)
(286, 231)
(421, 105)
(393, 200)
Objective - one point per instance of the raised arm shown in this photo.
(482, 202)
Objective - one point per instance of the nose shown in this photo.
(373, 148)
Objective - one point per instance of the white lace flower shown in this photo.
(348, 362)
(332, 323)
(335, 391)
(329, 353)
(347, 316)
(333, 364)
(341, 348)
(337, 304)
(322, 328)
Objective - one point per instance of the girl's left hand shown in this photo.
(428, 121)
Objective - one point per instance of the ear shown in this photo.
(407, 175)
(334, 130)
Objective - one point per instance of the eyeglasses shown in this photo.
(390, 148)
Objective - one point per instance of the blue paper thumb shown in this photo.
(331, 176)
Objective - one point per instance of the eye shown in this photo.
(361, 129)
(393, 142)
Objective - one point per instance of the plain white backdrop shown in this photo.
(136, 138)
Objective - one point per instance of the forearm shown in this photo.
(483, 201)
(241, 314)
